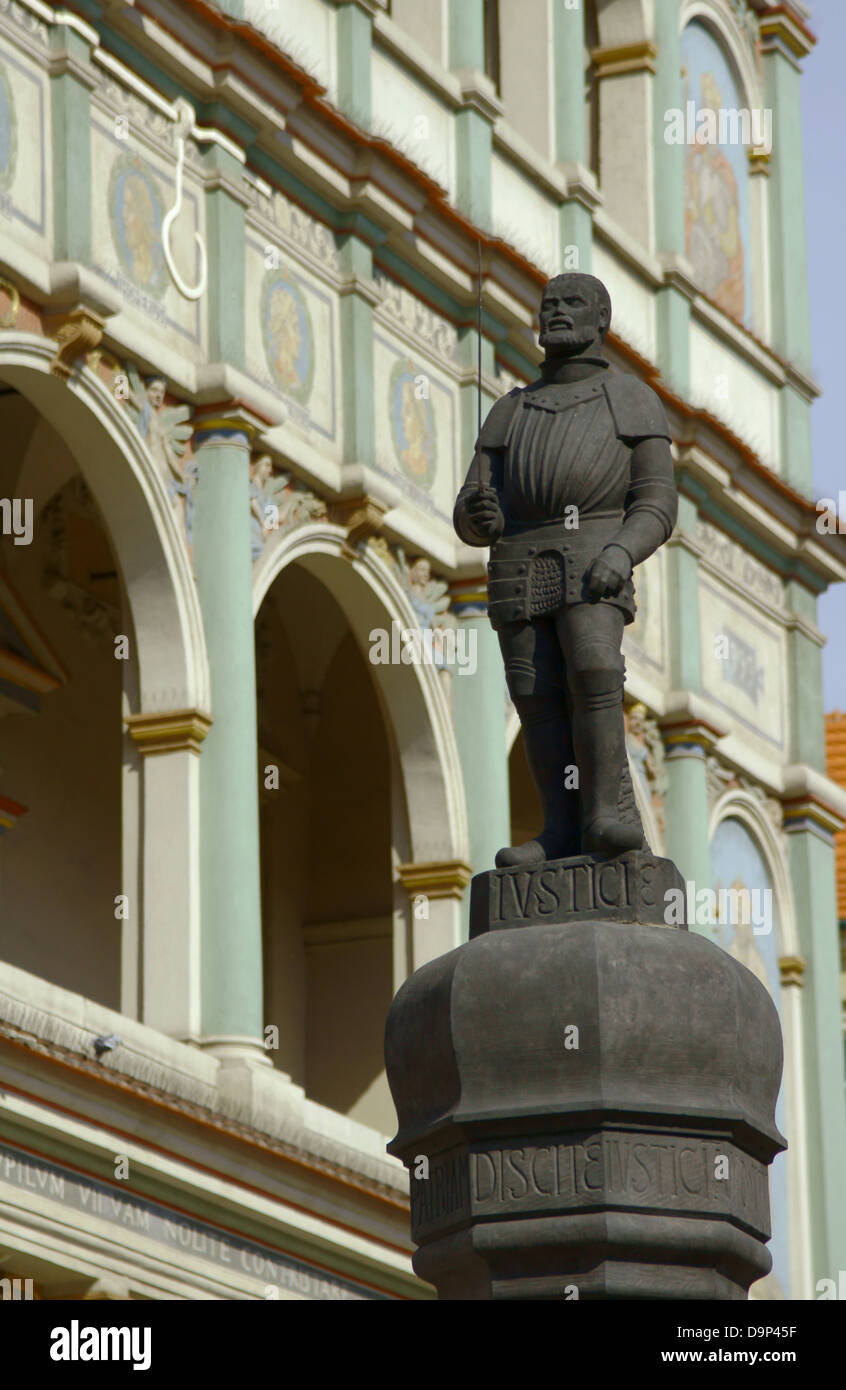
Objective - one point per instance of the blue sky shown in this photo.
(824, 139)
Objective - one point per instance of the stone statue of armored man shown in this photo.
(572, 486)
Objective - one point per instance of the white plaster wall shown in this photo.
(305, 29)
(523, 215)
(406, 113)
(736, 393)
(632, 301)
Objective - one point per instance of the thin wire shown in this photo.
(479, 370)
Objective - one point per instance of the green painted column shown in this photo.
(478, 698)
(672, 302)
(357, 349)
(473, 121)
(229, 850)
(782, 46)
(231, 931)
(71, 83)
(354, 45)
(687, 739)
(812, 872)
(811, 861)
(575, 216)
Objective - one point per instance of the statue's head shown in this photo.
(575, 314)
(261, 469)
(156, 387)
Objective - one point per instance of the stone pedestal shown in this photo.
(586, 1109)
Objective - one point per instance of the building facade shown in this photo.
(255, 734)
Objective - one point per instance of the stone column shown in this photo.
(784, 42)
(232, 1005)
(575, 217)
(810, 825)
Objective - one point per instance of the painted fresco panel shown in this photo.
(133, 187)
(291, 339)
(25, 148)
(743, 663)
(716, 179)
(416, 424)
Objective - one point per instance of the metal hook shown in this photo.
(186, 120)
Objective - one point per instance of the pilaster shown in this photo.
(225, 231)
(72, 78)
(474, 119)
(783, 44)
(575, 218)
(354, 41)
(357, 298)
(673, 299)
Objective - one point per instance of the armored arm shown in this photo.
(478, 516)
(651, 503)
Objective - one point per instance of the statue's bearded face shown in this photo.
(570, 318)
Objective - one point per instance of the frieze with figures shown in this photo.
(420, 323)
(731, 561)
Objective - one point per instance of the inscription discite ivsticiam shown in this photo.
(630, 887)
(620, 1170)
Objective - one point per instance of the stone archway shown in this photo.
(166, 690)
(362, 814)
(789, 1175)
(427, 756)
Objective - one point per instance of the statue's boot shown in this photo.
(600, 746)
(549, 752)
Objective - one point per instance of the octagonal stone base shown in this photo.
(587, 1111)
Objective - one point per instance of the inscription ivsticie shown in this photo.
(631, 887)
(669, 1172)
(580, 887)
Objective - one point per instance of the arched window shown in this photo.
(749, 928)
(718, 130)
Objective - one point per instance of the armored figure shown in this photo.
(572, 486)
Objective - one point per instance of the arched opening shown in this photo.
(368, 798)
(106, 555)
(327, 892)
(61, 608)
(750, 910)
